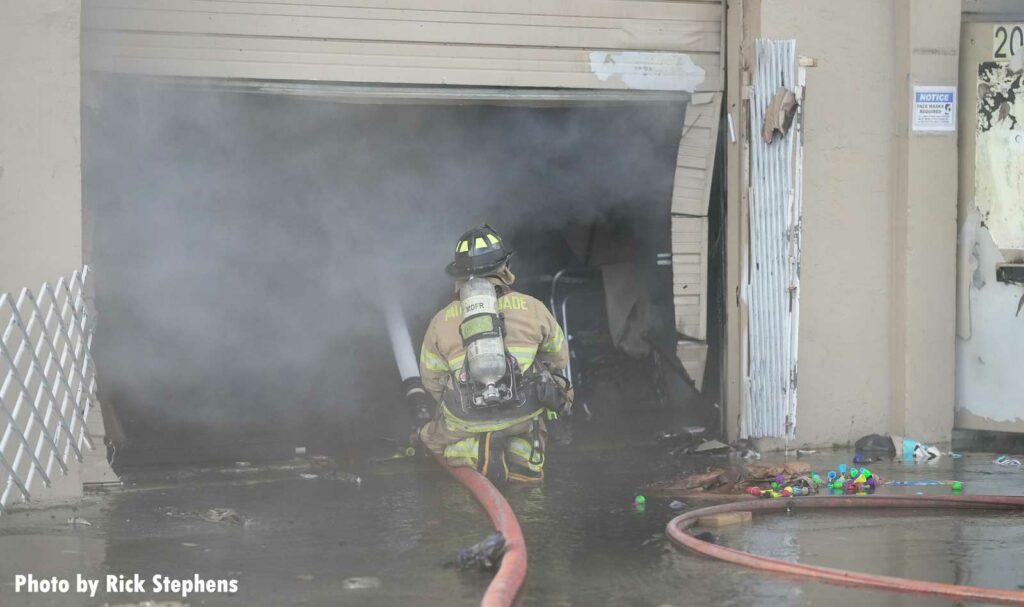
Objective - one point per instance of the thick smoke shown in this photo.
(242, 242)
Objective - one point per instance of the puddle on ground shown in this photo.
(386, 541)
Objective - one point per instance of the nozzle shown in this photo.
(420, 403)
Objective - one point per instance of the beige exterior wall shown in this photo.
(40, 154)
(877, 302)
(40, 157)
(879, 206)
(924, 214)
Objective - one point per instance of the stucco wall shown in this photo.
(40, 154)
(925, 221)
(877, 276)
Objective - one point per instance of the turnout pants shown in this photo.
(467, 444)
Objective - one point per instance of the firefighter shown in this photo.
(495, 426)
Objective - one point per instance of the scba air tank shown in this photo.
(481, 331)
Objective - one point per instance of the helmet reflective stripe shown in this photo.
(478, 252)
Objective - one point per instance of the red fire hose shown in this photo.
(676, 532)
(509, 579)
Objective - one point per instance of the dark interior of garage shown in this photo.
(245, 244)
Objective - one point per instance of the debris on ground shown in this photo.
(679, 433)
(77, 521)
(851, 480)
(682, 438)
(309, 476)
(346, 477)
(223, 515)
(916, 483)
(1003, 460)
(689, 440)
(926, 452)
(304, 577)
(485, 555)
(724, 482)
(791, 479)
(712, 447)
(322, 461)
(677, 505)
(386, 458)
(875, 444)
(954, 486)
(361, 583)
(639, 503)
(910, 449)
(654, 539)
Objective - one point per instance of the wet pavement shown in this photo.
(386, 540)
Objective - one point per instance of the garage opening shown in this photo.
(245, 245)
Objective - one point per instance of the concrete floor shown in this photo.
(323, 541)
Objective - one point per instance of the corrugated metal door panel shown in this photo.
(773, 283)
(610, 44)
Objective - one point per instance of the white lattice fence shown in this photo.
(48, 384)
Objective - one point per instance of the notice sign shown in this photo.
(934, 109)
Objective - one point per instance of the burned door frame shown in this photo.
(990, 329)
